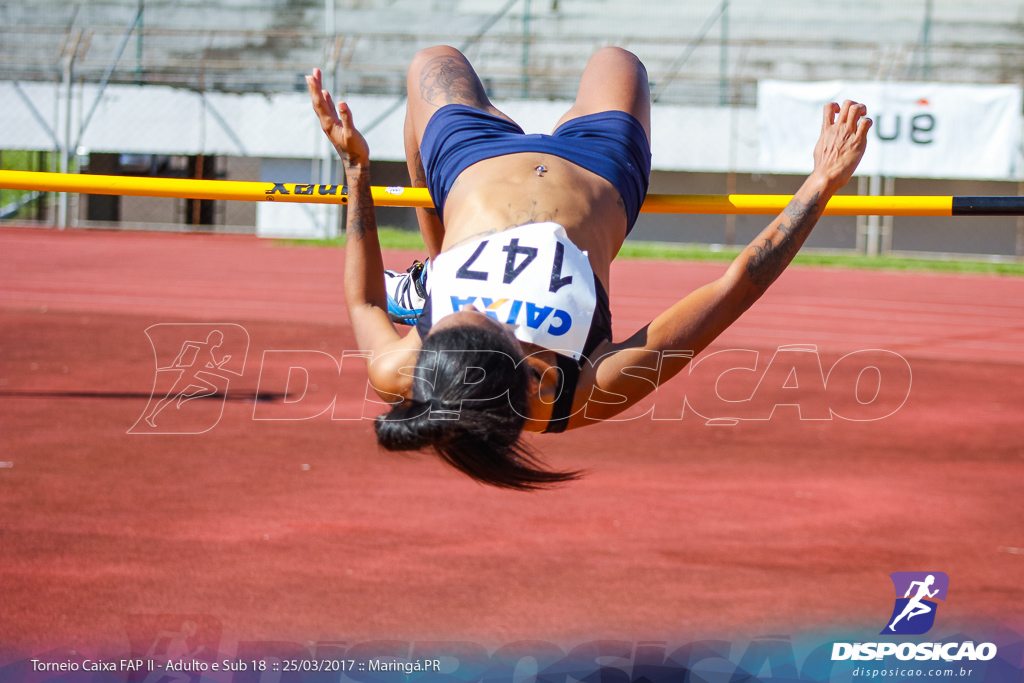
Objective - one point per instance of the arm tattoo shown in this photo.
(350, 158)
(448, 80)
(770, 259)
(361, 216)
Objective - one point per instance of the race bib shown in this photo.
(531, 276)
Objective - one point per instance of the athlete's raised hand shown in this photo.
(337, 123)
(842, 142)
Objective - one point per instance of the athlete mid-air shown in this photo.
(512, 328)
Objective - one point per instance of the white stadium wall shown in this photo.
(694, 150)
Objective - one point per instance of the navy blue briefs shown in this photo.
(611, 144)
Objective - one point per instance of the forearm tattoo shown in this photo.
(448, 80)
(351, 158)
(771, 258)
(361, 216)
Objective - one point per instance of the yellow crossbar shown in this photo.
(842, 205)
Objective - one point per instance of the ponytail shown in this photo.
(463, 423)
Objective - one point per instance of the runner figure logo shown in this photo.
(193, 361)
(914, 613)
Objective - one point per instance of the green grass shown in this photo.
(394, 238)
(390, 238)
(703, 252)
(21, 160)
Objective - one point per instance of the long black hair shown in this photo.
(469, 406)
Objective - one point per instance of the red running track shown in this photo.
(681, 529)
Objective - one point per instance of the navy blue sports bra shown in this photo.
(611, 144)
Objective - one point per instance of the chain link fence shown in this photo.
(704, 53)
(61, 56)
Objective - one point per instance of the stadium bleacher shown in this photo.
(247, 46)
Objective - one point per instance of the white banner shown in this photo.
(920, 130)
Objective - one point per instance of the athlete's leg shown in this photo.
(908, 608)
(919, 609)
(437, 76)
(430, 225)
(614, 79)
(200, 391)
(172, 393)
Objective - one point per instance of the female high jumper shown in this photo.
(511, 324)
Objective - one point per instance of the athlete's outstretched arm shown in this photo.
(365, 297)
(698, 319)
(839, 150)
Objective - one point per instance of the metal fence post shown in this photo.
(723, 57)
(1020, 227)
(65, 148)
(524, 89)
(873, 222)
(862, 221)
(887, 221)
(330, 213)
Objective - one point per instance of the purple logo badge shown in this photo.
(915, 608)
(193, 361)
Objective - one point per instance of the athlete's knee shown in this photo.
(618, 55)
(426, 55)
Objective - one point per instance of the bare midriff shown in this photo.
(497, 194)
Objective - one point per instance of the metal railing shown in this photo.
(705, 53)
(710, 53)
